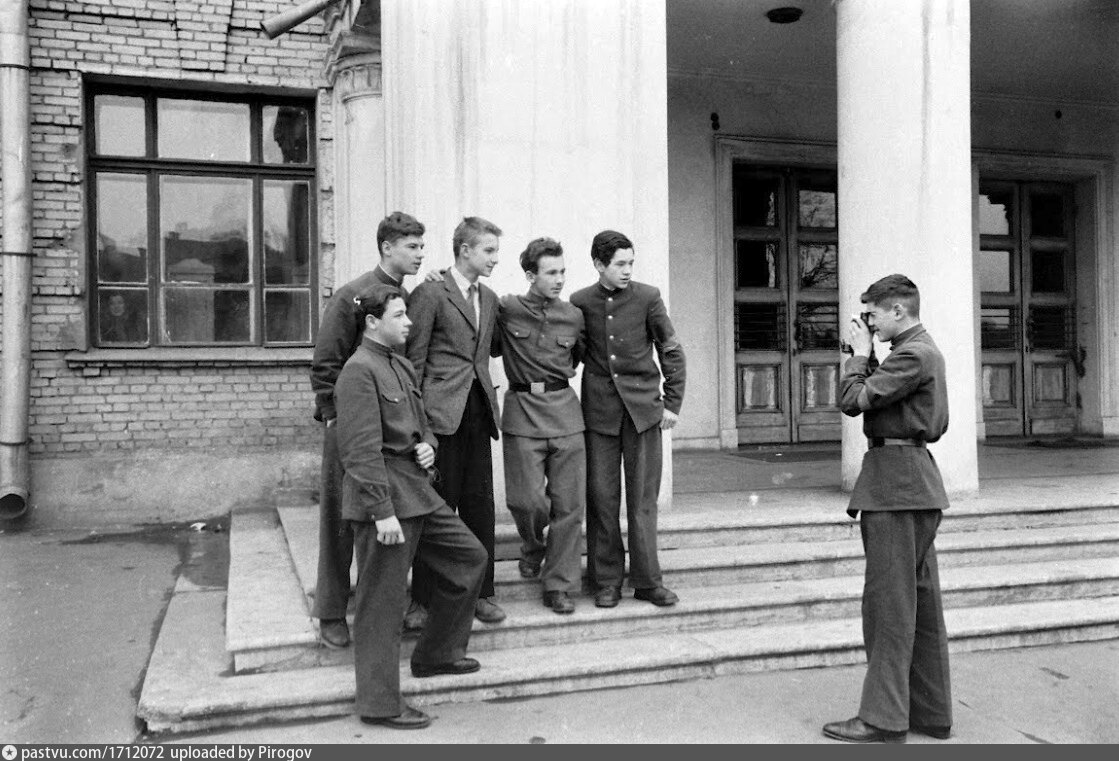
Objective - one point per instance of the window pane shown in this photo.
(1047, 214)
(287, 316)
(755, 264)
(122, 228)
(119, 125)
(122, 316)
(994, 271)
(755, 199)
(996, 212)
(203, 315)
(998, 328)
(757, 387)
(1047, 271)
(285, 134)
(816, 201)
(819, 265)
(759, 327)
(204, 224)
(998, 386)
(286, 233)
(817, 326)
(1050, 328)
(204, 130)
(821, 386)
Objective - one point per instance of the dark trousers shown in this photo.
(465, 482)
(456, 561)
(545, 487)
(907, 679)
(336, 538)
(640, 454)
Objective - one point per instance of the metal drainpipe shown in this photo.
(15, 160)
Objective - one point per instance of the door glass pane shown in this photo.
(119, 126)
(286, 233)
(122, 228)
(204, 224)
(1047, 214)
(816, 205)
(760, 327)
(203, 130)
(1049, 327)
(1049, 383)
(998, 328)
(285, 134)
(755, 264)
(994, 271)
(204, 315)
(819, 265)
(122, 315)
(755, 199)
(996, 210)
(758, 387)
(287, 316)
(1047, 271)
(821, 384)
(998, 386)
(817, 326)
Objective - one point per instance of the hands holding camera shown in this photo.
(859, 336)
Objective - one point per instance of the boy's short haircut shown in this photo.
(374, 299)
(894, 289)
(537, 249)
(470, 229)
(606, 243)
(396, 226)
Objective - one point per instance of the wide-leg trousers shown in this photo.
(907, 679)
(336, 537)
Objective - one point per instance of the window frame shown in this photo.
(152, 168)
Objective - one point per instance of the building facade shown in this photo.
(199, 189)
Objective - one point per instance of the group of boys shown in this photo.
(403, 388)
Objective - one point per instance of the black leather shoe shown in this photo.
(487, 611)
(559, 602)
(527, 569)
(607, 597)
(334, 632)
(416, 617)
(657, 595)
(932, 730)
(461, 666)
(411, 718)
(858, 731)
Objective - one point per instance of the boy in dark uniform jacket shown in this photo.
(388, 451)
(401, 244)
(625, 412)
(904, 404)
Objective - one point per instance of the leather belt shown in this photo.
(538, 387)
(882, 441)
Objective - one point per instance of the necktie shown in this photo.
(471, 296)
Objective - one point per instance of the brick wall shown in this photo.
(104, 407)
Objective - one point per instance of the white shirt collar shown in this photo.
(462, 283)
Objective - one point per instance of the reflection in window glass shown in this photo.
(817, 326)
(755, 199)
(755, 264)
(757, 387)
(759, 327)
(119, 125)
(994, 271)
(203, 130)
(286, 211)
(821, 386)
(204, 224)
(996, 213)
(1050, 327)
(998, 386)
(1047, 215)
(998, 328)
(819, 265)
(287, 316)
(122, 228)
(1047, 271)
(122, 315)
(205, 315)
(816, 202)
(285, 134)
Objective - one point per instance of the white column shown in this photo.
(359, 155)
(1107, 297)
(905, 190)
(548, 118)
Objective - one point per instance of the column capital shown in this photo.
(353, 65)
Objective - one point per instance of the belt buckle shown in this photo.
(536, 387)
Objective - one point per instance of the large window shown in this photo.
(203, 219)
